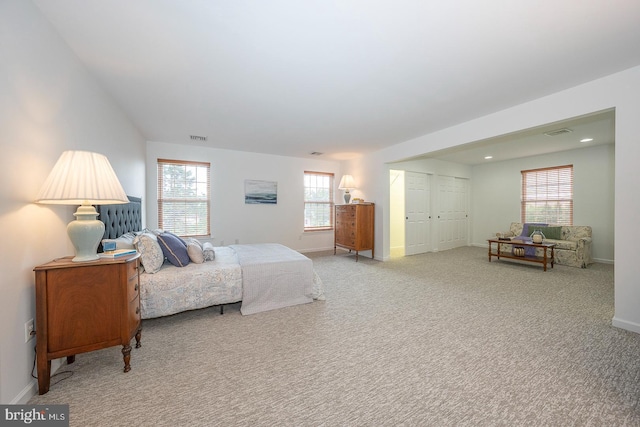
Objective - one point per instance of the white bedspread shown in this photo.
(274, 276)
(263, 276)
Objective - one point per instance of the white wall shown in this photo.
(397, 212)
(231, 219)
(434, 167)
(620, 91)
(49, 104)
(497, 187)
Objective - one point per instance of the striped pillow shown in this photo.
(174, 249)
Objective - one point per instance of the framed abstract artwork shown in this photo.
(260, 192)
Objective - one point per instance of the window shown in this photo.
(547, 195)
(318, 201)
(183, 197)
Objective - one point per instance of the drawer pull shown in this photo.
(137, 310)
(135, 288)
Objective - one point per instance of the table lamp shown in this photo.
(86, 179)
(347, 183)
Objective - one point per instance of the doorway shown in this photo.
(427, 212)
(410, 213)
(453, 212)
(417, 202)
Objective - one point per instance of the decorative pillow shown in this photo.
(174, 249)
(151, 255)
(155, 231)
(554, 233)
(195, 252)
(207, 250)
(529, 227)
(189, 240)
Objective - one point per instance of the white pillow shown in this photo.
(207, 250)
(155, 231)
(151, 254)
(195, 252)
(188, 240)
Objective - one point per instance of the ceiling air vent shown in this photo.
(197, 138)
(558, 132)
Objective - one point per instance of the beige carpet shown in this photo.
(440, 339)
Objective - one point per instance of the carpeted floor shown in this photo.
(440, 339)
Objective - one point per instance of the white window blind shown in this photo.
(547, 195)
(318, 201)
(184, 197)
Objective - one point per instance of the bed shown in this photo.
(261, 277)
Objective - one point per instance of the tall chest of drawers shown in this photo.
(85, 306)
(354, 227)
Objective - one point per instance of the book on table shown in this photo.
(117, 253)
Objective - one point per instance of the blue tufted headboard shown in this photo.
(120, 219)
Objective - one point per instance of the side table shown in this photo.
(85, 306)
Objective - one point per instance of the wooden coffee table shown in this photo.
(544, 260)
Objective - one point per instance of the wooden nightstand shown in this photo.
(85, 306)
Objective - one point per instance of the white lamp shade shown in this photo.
(86, 179)
(79, 177)
(347, 183)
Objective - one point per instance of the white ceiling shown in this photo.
(598, 127)
(346, 77)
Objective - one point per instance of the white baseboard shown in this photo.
(31, 389)
(603, 261)
(26, 394)
(310, 250)
(624, 324)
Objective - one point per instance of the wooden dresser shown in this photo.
(354, 227)
(85, 306)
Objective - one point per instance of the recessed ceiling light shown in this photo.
(586, 140)
(488, 157)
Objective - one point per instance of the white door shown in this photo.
(461, 212)
(452, 212)
(417, 213)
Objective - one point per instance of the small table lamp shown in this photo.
(347, 183)
(85, 179)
